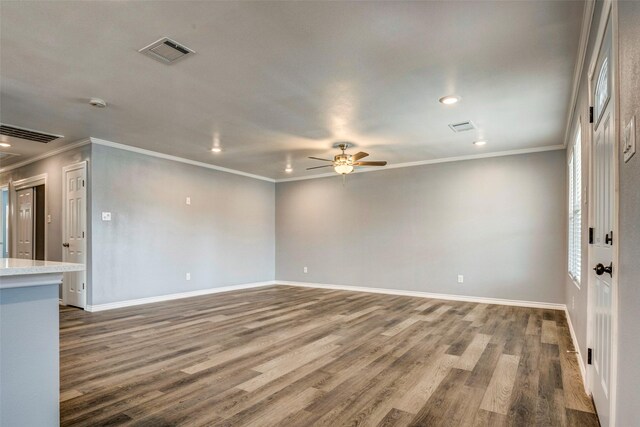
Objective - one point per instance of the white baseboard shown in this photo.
(169, 297)
(420, 294)
(583, 369)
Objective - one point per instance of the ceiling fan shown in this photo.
(345, 163)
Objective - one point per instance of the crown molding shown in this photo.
(176, 158)
(434, 161)
(42, 156)
(587, 19)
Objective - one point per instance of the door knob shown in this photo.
(600, 269)
(66, 245)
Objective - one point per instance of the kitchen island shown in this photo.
(29, 341)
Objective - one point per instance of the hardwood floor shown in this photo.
(292, 356)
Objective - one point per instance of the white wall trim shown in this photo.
(435, 161)
(587, 18)
(176, 159)
(169, 297)
(576, 346)
(420, 294)
(47, 154)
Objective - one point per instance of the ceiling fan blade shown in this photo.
(383, 163)
(318, 158)
(359, 156)
(318, 167)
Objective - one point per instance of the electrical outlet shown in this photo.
(188, 201)
(305, 270)
(106, 216)
(460, 278)
(188, 276)
(49, 219)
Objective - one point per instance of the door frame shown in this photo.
(80, 165)
(9, 240)
(14, 187)
(609, 14)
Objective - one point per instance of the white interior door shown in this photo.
(74, 232)
(603, 222)
(24, 232)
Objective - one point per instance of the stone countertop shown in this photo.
(20, 267)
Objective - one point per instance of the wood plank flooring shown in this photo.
(289, 356)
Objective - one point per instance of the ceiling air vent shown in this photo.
(462, 126)
(166, 50)
(28, 134)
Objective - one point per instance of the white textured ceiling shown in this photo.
(280, 81)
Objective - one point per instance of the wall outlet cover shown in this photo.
(188, 201)
(460, 278)
(106, 216)
(305, 270)
(629, 140)
(188, 276)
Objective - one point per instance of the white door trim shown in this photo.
(7, 244)
(80, 165)
(14, 187)
(609, 11)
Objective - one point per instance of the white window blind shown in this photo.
(575, 210)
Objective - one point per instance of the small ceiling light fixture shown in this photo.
(97, 102)
(288, 169)
(480, 142)
(449, 99)
(216, 150)
(343, 168)
(5, 145)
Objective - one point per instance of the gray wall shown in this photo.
(498, 221)
(225, 237)
(628, 393)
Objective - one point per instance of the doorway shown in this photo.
(74, 232)
(603, 213)
(28, 209)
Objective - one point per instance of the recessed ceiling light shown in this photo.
(5, 145)
(216, 149)
(288, 169)
(97, 102)
(480, 142)
(449, 100)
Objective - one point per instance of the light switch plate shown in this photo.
(188, 201)
(106, 216)
(629, 140)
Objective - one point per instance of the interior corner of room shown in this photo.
(472, 211)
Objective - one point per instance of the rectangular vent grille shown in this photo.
(462, 126)
(28, 134)
(166, 50)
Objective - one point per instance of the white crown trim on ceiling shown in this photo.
(119, 146)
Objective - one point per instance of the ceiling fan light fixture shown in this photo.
(343, 169)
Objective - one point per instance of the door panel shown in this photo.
(24, 234)
(74, 239)
(603, 217)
